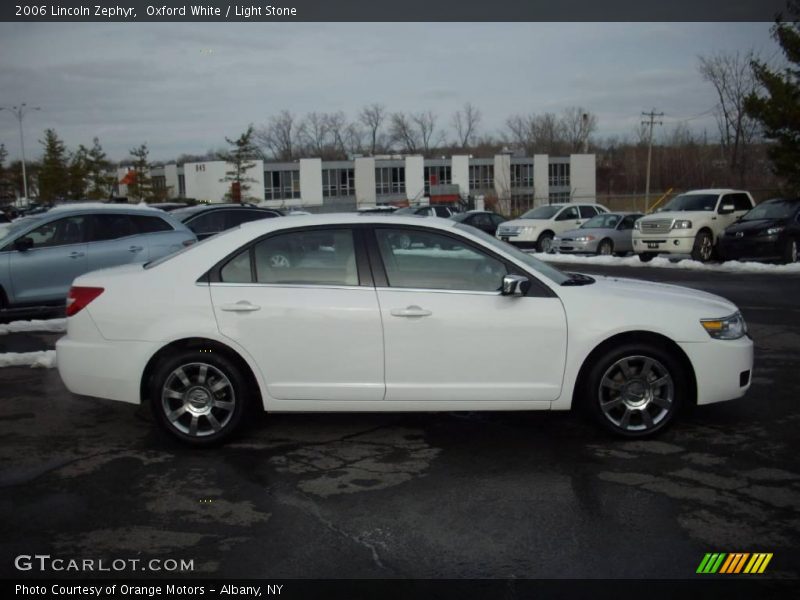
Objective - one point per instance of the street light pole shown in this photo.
(19, 112)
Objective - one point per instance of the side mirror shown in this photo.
(23, 244)
(726, 209)
(515, 285)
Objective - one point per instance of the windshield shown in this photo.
(541, 212)
(602, 222)
(780, 209)
(687, 202)
(9, 229)
(534, 263)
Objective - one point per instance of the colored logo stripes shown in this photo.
(734, 563)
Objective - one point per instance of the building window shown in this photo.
(481, 177)
(181, 186)
(338, 182)
(522, 175)
(390, 180)
(281, 185)
(437, 176)
(559, 197)
(159, 183)
(558, 174)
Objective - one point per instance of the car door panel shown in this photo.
(113, 241)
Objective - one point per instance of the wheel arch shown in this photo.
(626, 337)
(198, 343)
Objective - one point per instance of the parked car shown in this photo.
(606, 234)
(383, 209)
(484, 220)
(404, 240)
(206, 220)
(432, 210)
(359, 325)
(41, 254)
(168, 206)
(771, 231)
(690, 223)
(536, 228)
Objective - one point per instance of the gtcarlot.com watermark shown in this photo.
(46, 563)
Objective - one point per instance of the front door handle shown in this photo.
(136, 248)
(411, 311)
(77, 254)
(241, 306)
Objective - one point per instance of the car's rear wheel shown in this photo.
(545, 242)
(647, 256)
(605, 248)
(635, 390)
(703, 248)
(790, 251)
(199, 397)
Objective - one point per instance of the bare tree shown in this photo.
(465, 122)
(520, 132)
(373, 116)
(578, 124)
(338, 131)
(278, 136)
(426, 128)
(733, 80)
(313, 133)
(403, 132)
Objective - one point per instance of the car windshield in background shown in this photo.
(692, 202)
(18, 225)
(534, 263)
(602, 222)
(185, 213)
(460, 216)
(541, 212)
(772, 210)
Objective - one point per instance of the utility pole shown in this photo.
(19, 112)
(651, 116)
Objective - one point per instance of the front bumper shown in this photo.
(750, 248)
(663, 244)
(723, 369)
(574, 247)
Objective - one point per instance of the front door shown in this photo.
(450, 334)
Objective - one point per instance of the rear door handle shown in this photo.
(77, 254)
(241, 306)
(411, 311)
(136, 248)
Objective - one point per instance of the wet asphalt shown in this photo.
(446, 495)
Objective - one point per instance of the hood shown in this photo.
(656, 294)
(751, 227)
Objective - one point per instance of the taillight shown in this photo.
(80, 297)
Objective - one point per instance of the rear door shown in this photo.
(45, 272)
(304, 307)
(114, 240)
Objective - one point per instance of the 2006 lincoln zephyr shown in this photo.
(333, 313)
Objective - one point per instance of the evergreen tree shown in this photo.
(240, 157)
(98, 167)
(78, 173)
(778, 110)
(53, 174)
(141, 186)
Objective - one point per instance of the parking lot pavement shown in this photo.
(418, 495)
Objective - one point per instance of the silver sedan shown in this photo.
(606, 234)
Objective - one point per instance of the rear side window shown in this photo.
(442, 211)
(148, 224)
(741, 202)
(111, 227)
(587, 212)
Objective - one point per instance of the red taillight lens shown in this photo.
(80, 297)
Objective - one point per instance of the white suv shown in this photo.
(536, 228)
(689, 223)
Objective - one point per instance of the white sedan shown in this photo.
(331, 314)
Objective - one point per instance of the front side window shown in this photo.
(62, 232)
(437, 262)
(587, 212)
(568, 213)
(307, 257)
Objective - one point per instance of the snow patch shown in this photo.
(45, 359)
(56, 325)
(731, 266)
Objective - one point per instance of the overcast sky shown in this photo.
(182, 87)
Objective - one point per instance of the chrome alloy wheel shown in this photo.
(636, 393)
(706, 248)
(198, 399)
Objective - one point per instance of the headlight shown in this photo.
(727, 328)
(637, 225)
(774, 230)
(682, 225)
(528, 229)
(584, 238)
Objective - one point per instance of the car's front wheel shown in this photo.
(605, 248)
(647, 256)
(545, 242)
(199, 396)
(635, 390)
(703, 248)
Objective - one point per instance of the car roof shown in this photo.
(348, 219)
(198, 208)
(716, 191)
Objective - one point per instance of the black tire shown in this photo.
(703, 248)
(206, 397)
(789, 251)
(650, 406)
(647, 256)
(605, 248)
(545, 242)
